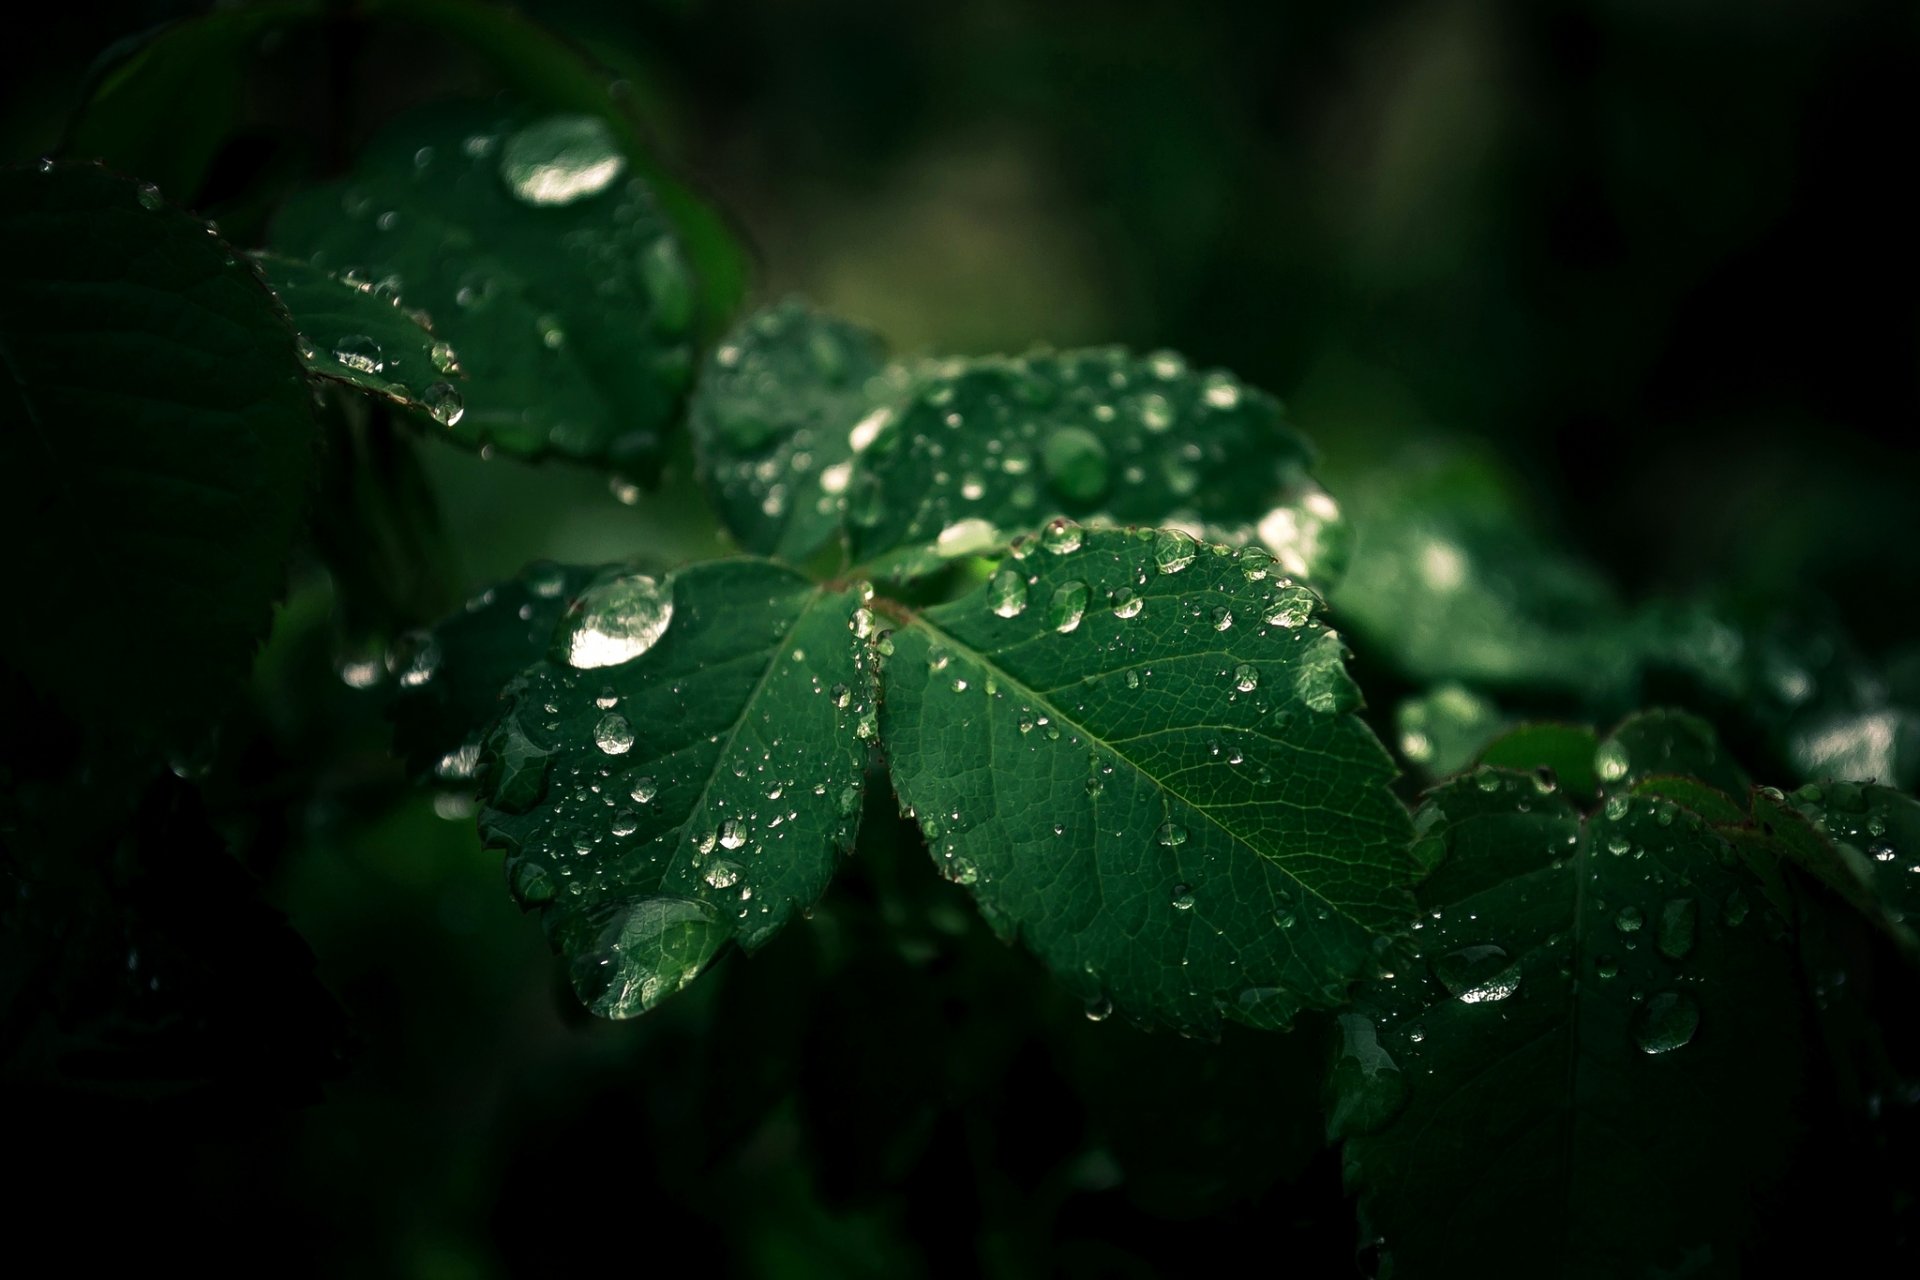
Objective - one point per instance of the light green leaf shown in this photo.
(364, 337)
(156, 445)
(1451, 580)
(1139, 753)
(1591, 1065)
(451, 678)
(541, 258)
(683, 770)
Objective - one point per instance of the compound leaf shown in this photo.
(1139, 753)
(682, 770)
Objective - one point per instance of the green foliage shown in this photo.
(1047, 649)
(156, 443)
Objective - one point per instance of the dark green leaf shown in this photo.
(540, 258)
(1591, 1066)
(1871, 836)
(1565, 751)
(364, 337)
(683, 770)
(1663, 742)
(775, 419)
(1139, 753)
(1451, 581)
(451, 678)
(156, 442)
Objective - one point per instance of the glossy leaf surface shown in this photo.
(1139, 753)
(683, 770)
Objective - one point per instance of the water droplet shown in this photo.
(1171, 835)
(1246, 677)
(868, 429)
(1156, 412)
(617, 621)
(721, 874)
(1679, 923)
(1061, 537)
(1099, 1009)
(1220, 391)
(444, 359)
(360, 353)
(1222, 618)
(1126, 604)
(1478, 975)
(1610, 762)
(444, 403)
(1183, 897)
(613, 734)
(1173, 550)
(841, 696)
(1665, 1022)
(1629, 920)
(627, 959)
(149, 196)
(732, 834)
(644, 790)
(560, 160)
(1068, 606)
(1076, 463)
(1292, 607)
(966, 537)
(1607, 968)
(1007, 593)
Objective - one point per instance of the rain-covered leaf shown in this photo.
(1139, 753)
(451, 678)
(1450, 580)
(923, 461)
(682, 769)
(776, 417)
(540, 257)
(1591, 1065)
(1663, 742)
(1444, 730)
(1871, 836)
(156, 440)
(364, 337)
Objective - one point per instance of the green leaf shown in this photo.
(164, 105)
(775, 418)
(541, 258)
(1663, 742)
(451, 678)
(804, 429)
(1591, 1065)
(682, 770)
(1441, 731)
(1450, 580)
(156, 443)
(545, 70)
(363, 337)
(1565, 751)
(1139, 754)
(1871, 836)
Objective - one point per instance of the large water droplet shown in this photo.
(1061, 537)
(1127, 604)
(721, 874)
(444, 402)
(360, 353)
(1610, 762)
(1076, 463)
(1173, 550)
(626, 960)
(1007, 593)
(1246, 677)
(560, 160)
(613, 734)
(617, 621)
(1171, 835)
(1068, 605)
(1478, 975)
(1665, 1022)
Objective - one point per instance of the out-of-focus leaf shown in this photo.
(1444, 730)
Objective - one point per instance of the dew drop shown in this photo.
(721, 874)
(1183, 897)
(560, 160)
(1665, 1022)
(1062, 537)
(360, 353)
(1611, 762)
(618, 621)
(444, 403)
(1173, 550)
(1126, 604)
(1478, 975)
(1171, 835)
(1222, 618)
(644, 790)
(732, 834)
(1246, 677)
(1068, 606)
(1007, 593)
(1629, 920)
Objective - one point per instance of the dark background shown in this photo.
(1660, 255)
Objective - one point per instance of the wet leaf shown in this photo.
(1563, 753)
(682, 770)
(156, 444)
(1599, 1042)
(1861, 840)
(367, 338)
(1153, 777)
(451, 677)
(541, 257)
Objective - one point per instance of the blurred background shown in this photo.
(1659, 257)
